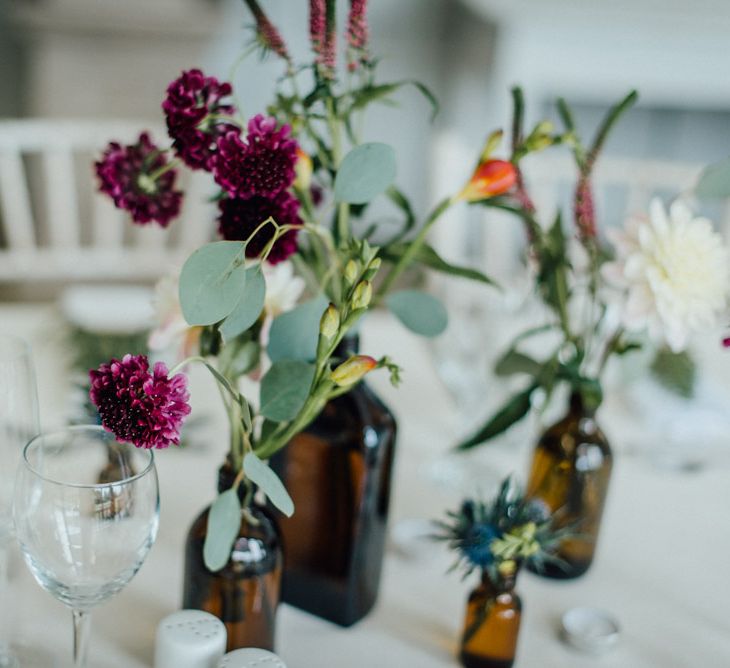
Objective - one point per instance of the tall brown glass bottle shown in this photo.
(492, 625)
(570, 472)
(245, 593)
(338, 472)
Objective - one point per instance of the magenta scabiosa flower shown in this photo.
(264, 165)
(357, 33)
(139, 407)
(193, 107)
(138, 179)
(239, 218)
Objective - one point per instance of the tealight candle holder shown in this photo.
(251, 658)
(190, 639)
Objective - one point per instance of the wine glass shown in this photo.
(18, 424)
(86, 511)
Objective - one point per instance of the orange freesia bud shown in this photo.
(490, 178)
(352, 370)
(303, 170)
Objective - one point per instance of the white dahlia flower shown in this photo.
(676, 273)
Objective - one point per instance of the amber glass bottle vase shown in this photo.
(570, 472)
(244, 594)
(492, 624)
(338, 472)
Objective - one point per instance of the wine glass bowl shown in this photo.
(86, 511)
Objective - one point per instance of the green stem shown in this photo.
(164, 168)
(413, 248)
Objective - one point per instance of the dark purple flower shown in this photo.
(357, 33)
(726, 342)
(136, 179)
(264, 165)
(193, 107)
(139, 407)
(240, 217)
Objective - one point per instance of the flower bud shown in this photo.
(329, 324)
(507, 568)
(491, 178)
(490, 145)
(372, 269)
(541, 137)
(351, 271)
(362, 295)
(352, 370)
(304, 170)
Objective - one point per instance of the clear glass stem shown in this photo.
(82, 622)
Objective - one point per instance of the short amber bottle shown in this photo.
(492, 624)
(570, 473)
(244, 594)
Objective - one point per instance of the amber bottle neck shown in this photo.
(499, 584)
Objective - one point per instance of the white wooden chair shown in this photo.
(56, 227)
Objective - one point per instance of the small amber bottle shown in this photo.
(570, 472)
(244, 594)
(492, 624)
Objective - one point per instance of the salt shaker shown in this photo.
(190, 639)
(251, 658)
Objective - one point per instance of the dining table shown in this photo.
(662, 567)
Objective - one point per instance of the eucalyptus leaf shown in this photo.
(420, 312)
(224, 520)
(294, 334)
(211, 282)
(513, 411)
(249, 306)
(285, 388)
(268, 482)
(364, 173)
(714, 180)
(239, 356)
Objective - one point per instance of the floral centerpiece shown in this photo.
(661, 279)
(497, 539)
(292, 187)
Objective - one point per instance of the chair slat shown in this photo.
(62, 199)
(15, 202)
(108, 223)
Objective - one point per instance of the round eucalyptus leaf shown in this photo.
(249, 306)
(285, 388)
(294, 334)
(420, 312)
(268, 482)
(364, 173)
(224, 520)
(211, 282)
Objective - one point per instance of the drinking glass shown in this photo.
(18, 424)
(86, 511)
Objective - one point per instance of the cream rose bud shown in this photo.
(353, 370)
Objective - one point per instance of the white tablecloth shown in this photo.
(662, 566)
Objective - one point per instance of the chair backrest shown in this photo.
(55, 226)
